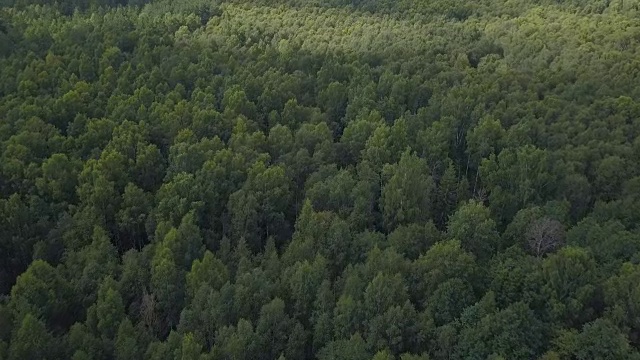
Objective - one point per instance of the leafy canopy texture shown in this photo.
(319, 179)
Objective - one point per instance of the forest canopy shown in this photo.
(319, 179)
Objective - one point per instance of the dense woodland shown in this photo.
(320, 179)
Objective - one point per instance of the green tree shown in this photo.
(473, 226)
(407, 193)
(599, 339)
(304, 281)
(353, 348)
(383, 292)
(516, 178)
(43, 293)
(449, 300)
(132, 216)
(260, 208)
(414, 239)
(513, 333)
(190, 348)
(355, 135)
(167, 286)
(569, 277)
(84, 344)
(87, 267)
(484, 139)
(135, 277)
(238, 342)
(447, 195)
(382, 355)
(177, 198)
(273, 329)
(185, 242)
(126, 344)
(333, 99)
(321, 317)
(109, 309)
(444, 261)
(621, 293)
(347, 317)
(59, 178)
(209, 271)
(31, 340)
(235, 103)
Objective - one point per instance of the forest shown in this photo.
(320, 179)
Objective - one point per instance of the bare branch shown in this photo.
(545, 235)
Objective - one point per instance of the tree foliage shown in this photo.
(326, 179)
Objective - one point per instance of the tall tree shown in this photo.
(407, 193)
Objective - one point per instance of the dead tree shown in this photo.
(544, 236)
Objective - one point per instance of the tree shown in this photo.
(135, 278)
(445, 260)
(447, 195)
(355, 135)
(621, 294)
(149, 168)
(235, 103)
(209, 271)
(512, 333)
(608, 177)
(408, 356)
(322, 316)
(383, 292)
(6, 323)
(598, 340)
(83, 342)
(304, 280)
(347, 317)
(88, 267)
(377, 151)
(109, 309)
(382, 355)
(167, 286)
(333, 100)
(484, 139)
(59, 178)
(280, 141)
(516, 178)
(126, 344)
(545, 235)
(190, 348)
(406, 195)
(396, 329)
(177, 198)
(414, 239)
(185, 242)
(273, 329)
(473, 226)
(260, 208)
(171, 348)
(619, 246)
(449, 300)
(333, 194)
(132, 216)
(569, 285)
(238, 342)
(32, 341)
(43, 293)
(97, 192)
(516, 276)
(434, 142)
(353, 348)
